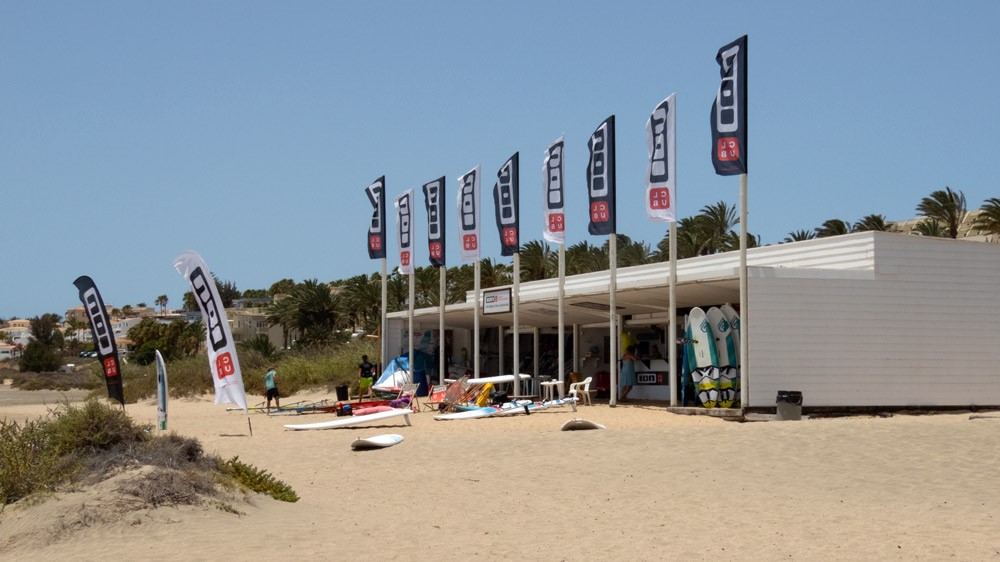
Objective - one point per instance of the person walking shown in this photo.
(365, 373)
(628, 377)
(271, 384)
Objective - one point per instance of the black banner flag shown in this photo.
(729, 111)
(434, 202)
(601, 178)
(507, 201)
(376, 230)
(103, 335)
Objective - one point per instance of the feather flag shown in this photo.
(729, 111)
(601, 178)
(161, 391)
(661, 174)
(404, 232)
(376, 229)
(468, 214)
(222, 359)
(434, 202)
(103, 336)
(507, 202)
(554, 229)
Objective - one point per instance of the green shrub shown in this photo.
(27, 464)
(38, 357)
(259, 480)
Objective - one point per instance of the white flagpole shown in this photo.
(410, 320)
(475, 324)
(613, 316)
(442, 299)
(672, 327)
(517, 325)
(385, 297)
(744, 321)
(500, 360)
(562, 291)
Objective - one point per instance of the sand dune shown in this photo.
(653, 485)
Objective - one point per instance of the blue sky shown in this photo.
(247, 131)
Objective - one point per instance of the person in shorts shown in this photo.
(271, 384)
(366, 372)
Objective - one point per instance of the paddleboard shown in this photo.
(703, 357)
(354, 420)
(376, 442)
(578, 424)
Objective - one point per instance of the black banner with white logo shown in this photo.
(434, 202)
(507, 201)
(552, 185)
(601, 178)
(404, 220)
(376, 230)
(729, 111)
(103, 336)
(468, 214)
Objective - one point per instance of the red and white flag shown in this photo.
(661, 174)
(222, 359)
(468, 214)
(404, 234)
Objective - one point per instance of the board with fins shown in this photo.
(376, 442)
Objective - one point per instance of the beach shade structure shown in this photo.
(395, 375)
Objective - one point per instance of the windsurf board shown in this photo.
(734, 329)
(376, 442)
(354, 420)
(703, 357)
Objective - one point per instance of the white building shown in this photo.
(865, 319)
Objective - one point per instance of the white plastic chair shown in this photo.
(581, 390)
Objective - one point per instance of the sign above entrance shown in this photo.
(496, 301)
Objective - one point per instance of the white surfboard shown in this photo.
(734, 328)
(703, 358)
(578, 424)
(355, 420)
(729, 379)
(725, 351)
(376, 442)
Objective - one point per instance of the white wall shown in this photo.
(923, 330)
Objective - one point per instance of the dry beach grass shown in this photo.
(651, 486)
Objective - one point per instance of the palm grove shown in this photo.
(314, 314)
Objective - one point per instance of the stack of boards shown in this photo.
(712, 347)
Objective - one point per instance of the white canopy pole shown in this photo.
(534, 354)
(500, 345)
(384, 343)
(409, 315)
(475, 325)
(516, 370)
(442, 300)
(613, 316)
(672, 328)
(744, 316)
(562, 325)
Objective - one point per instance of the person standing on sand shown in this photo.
(271, 384)
(365, 373)
(628, 378)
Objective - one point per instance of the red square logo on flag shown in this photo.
(659, 198)
(375, 242)
(435, 248)
(109, 367)
(728, 149)
(509, 236)
(224, 365)
(599, 211)
(404, 258)
(470, 242)
(557, 222)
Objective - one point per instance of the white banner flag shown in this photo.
(222, 359)
(554, 229)
(468, 214)
(404, 231)
(661, 174)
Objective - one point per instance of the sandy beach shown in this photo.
(653, 485)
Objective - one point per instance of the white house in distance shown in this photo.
(870, 319)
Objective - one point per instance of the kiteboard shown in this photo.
(354, 420)
(577, 424)
(703, 357)
(376, 442)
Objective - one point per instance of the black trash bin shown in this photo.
(342, 392)
(789, 405)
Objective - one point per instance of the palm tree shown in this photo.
(426, 286)
(362, 295)
(493, 274)
(161, 301)
(629, 253)
(585, 258)
(718, 222)
(538, 261)
(282, 312)
(833, 227)
(989, 219)
(799, 236)
(946, 207)
(869, 223)
(931, 228)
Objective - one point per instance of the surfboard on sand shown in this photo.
(577, 424)
(354, 420)
(376, 442)
(726, 353)
(703, 358)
